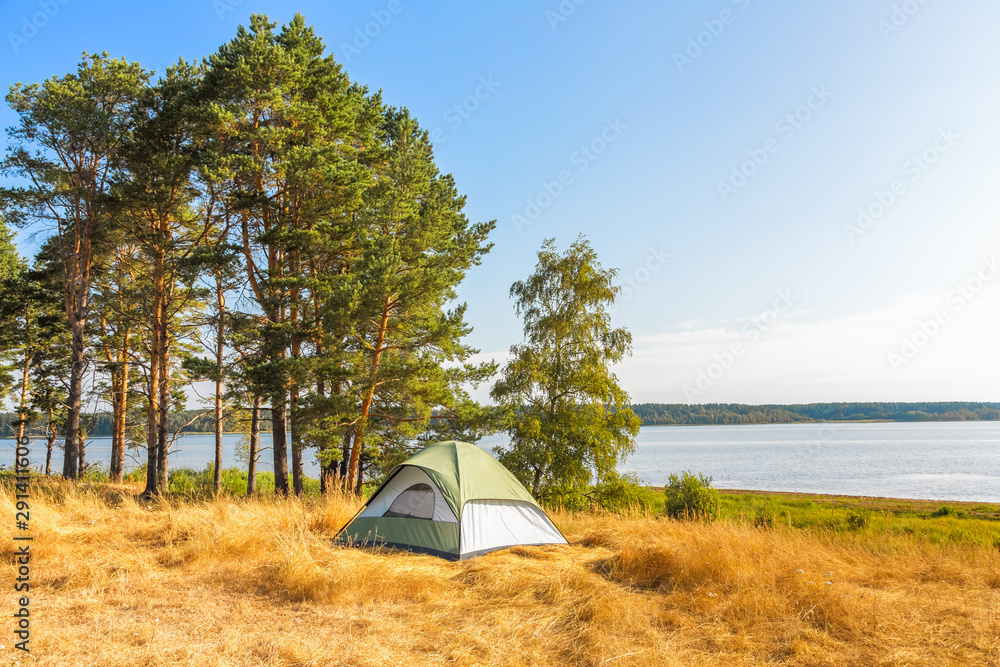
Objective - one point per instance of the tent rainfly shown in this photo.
(453, 500)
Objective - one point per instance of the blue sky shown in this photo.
(717, 153)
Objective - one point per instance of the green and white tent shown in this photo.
(453, 500)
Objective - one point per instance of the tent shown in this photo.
(453, 500)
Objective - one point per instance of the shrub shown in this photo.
(623, 492)
(234, 482)
(95, 472)
(310, 486)
(944, 510)
(570, 498)
(183, 480)
(857, 519)
(765, 513)
(691, 496)
(617, 493)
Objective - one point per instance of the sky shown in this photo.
(801, 198)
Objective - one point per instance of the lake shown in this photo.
(937, 460)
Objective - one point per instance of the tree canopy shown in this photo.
(256, 220)
(570, 423)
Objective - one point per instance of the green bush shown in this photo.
(95, 472)
(617, 493)
(857, 519)
(183, 480)
(623, 492)
(568, 497)
(234, 482)
(764, 513)
(265, 483)
(310, 486)
(691, 496)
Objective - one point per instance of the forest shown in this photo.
(101, 424)
(255, 222)
(258, 233)
(653, 414)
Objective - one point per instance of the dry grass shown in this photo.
(231, 582)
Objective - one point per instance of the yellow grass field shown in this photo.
(116, 581)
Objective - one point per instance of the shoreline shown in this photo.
(883, 502)
(847, 421)
(840, 496)
(818, 421)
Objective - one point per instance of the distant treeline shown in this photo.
(99, 424)
(653, 414)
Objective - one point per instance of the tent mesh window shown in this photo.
(417, 502)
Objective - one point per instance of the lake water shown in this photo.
(194, 450)
(940, 460)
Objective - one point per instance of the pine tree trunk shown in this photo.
(22, 408)
(326, 478)
(297, 484)
(53, 433)
(152, 415)
(122, 416)
(80, 440)
(279, 443)
(361, 478)
(115, 465)
(218, 437)
(220, 297)
(326, 467)
(353, 470)
(331, 472)
(254, 446)
(119, 407)
(155, 413)
(71, 458)
(163, 427)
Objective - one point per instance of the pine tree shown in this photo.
(413, 247)
(167, 214)
(290, 123)
(66, 145)
(11, 270)
(118, 335)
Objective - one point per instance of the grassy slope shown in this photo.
(230, 582)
